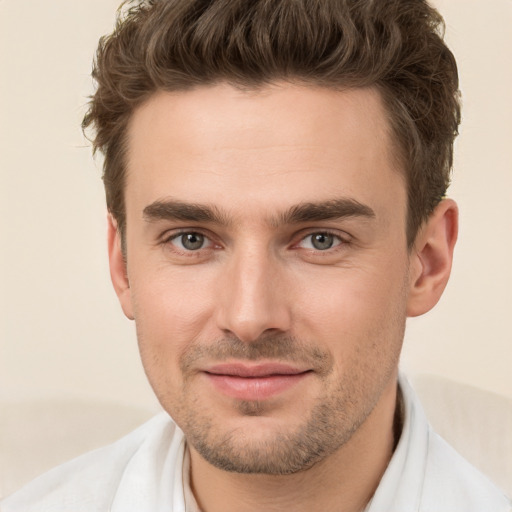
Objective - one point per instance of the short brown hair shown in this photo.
(394, 45)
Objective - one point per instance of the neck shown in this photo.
(344, 481)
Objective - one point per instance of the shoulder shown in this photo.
(451, 483)
(432, 476)
(89, 482)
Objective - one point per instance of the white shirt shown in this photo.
(147, 471)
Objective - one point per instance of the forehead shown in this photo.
(265, 148)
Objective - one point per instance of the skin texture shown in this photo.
(268, 228)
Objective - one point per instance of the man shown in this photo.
(275, 173)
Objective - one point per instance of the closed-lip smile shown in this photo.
(259, 381)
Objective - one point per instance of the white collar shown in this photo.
(189, 499)
(400, 488)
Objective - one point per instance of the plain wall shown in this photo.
(62, 332)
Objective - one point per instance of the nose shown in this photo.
(253, 297)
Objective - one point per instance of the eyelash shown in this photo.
(342, 241)
(176, 235)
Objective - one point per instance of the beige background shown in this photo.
(62, 333)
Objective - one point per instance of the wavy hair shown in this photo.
(395, 46)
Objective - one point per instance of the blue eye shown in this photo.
(320, 241)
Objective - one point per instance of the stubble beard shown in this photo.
(282, 454)
(326, 427)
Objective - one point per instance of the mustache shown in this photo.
(284, 348)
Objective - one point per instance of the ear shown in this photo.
(431, 258)
(118, 270)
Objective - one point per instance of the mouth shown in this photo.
(255, 382)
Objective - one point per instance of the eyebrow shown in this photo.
(171, 209)
(324, 210)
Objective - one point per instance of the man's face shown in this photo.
(267, 267)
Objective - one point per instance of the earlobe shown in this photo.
(431, 258)
(118, 270)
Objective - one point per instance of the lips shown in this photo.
(254, 382)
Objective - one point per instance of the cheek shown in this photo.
(362, 326)
(171, 311)
(171, 301)
(356, 309)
